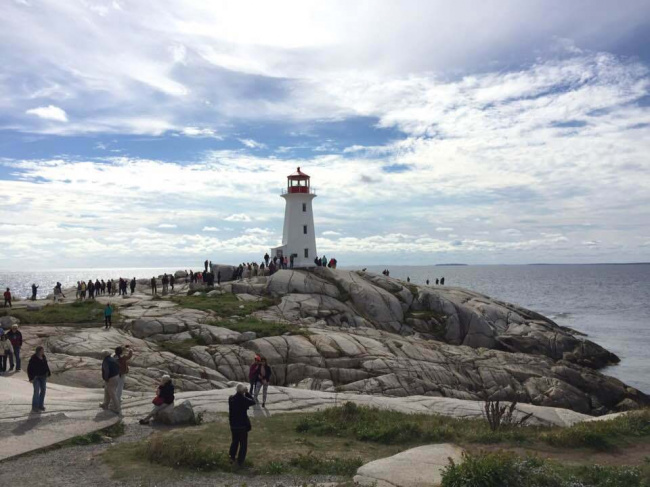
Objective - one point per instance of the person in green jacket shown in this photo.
(108, 313)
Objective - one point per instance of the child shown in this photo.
(5, 351)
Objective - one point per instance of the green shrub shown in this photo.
(178, 452)
(260, 327)
(223, 304)
(506, 469)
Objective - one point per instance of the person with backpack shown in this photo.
(37, 372)
(262, 377)
(110, 375)
(164, 398)
(240, 425)
(16, 339)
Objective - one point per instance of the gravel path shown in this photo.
(83, 466)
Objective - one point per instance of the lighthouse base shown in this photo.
(299, 261)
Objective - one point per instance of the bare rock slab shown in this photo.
(417, 467)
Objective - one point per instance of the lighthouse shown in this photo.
(298, 234)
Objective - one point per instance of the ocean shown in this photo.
(610, 303)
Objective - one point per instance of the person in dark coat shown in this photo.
(111, 377)
(34, 291)
(262, 378)
(132, 285)
(240, 425)
(38, 371)
(16, 339)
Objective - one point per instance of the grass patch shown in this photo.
(78, 312)
(506, 469)
(261, 328)
(182, 348)
(274, 447)
(223, 305)
(368, 424)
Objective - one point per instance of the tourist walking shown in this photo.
(5, 351)
(7, 296)
(164, 398)
(252, 372)
(16, 339)
(34, 291)
(262, 378)
(240, 425)
(108, 313)
(154, 288)
(124, 355)
(38, 371)
(110, 375)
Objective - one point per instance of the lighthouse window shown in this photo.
(304, 207)
(304, 229)
(306, 253)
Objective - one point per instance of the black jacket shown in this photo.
(38, 367)
(237, 411)
(267, 373)
(110, 368)
(166, 392)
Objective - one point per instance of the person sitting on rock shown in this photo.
(164, 398)
(240, 425)
(110, 375)
(7, 296)
(262, 378)
(37, 372)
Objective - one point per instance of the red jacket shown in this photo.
(7, 295)
(252, 372)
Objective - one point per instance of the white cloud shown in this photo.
(210, 229)
(200, 132)
(444, 229)
(49, 112)
(167, 225)
(238, 217)
(330, 233)
(252, 144)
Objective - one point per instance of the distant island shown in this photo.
(449, 265)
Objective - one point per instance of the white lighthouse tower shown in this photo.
(299, 234)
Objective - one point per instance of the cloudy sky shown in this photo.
(154, 133)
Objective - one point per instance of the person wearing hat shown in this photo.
(111, 377)
(240, 425)
(16, 339)
(164, 398)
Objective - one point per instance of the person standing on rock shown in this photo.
(240, 425)
(16, 339)
(123, 354)
(171, 281)
(7, 296)
(38, 371)
(266, 259)
(111, 376)
(164, 398)
(427, 282)
(262, 378)
(442, 281)
(108, 313)
(5, 351)
(437, 281)
(154, 289)
(205, 264)
(252, 372)
(408, 279)
(34, 291)
(219, 278)
(82, 293)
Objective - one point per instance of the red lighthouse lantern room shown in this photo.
(298, 182)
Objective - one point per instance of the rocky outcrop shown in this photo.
(356, 333)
